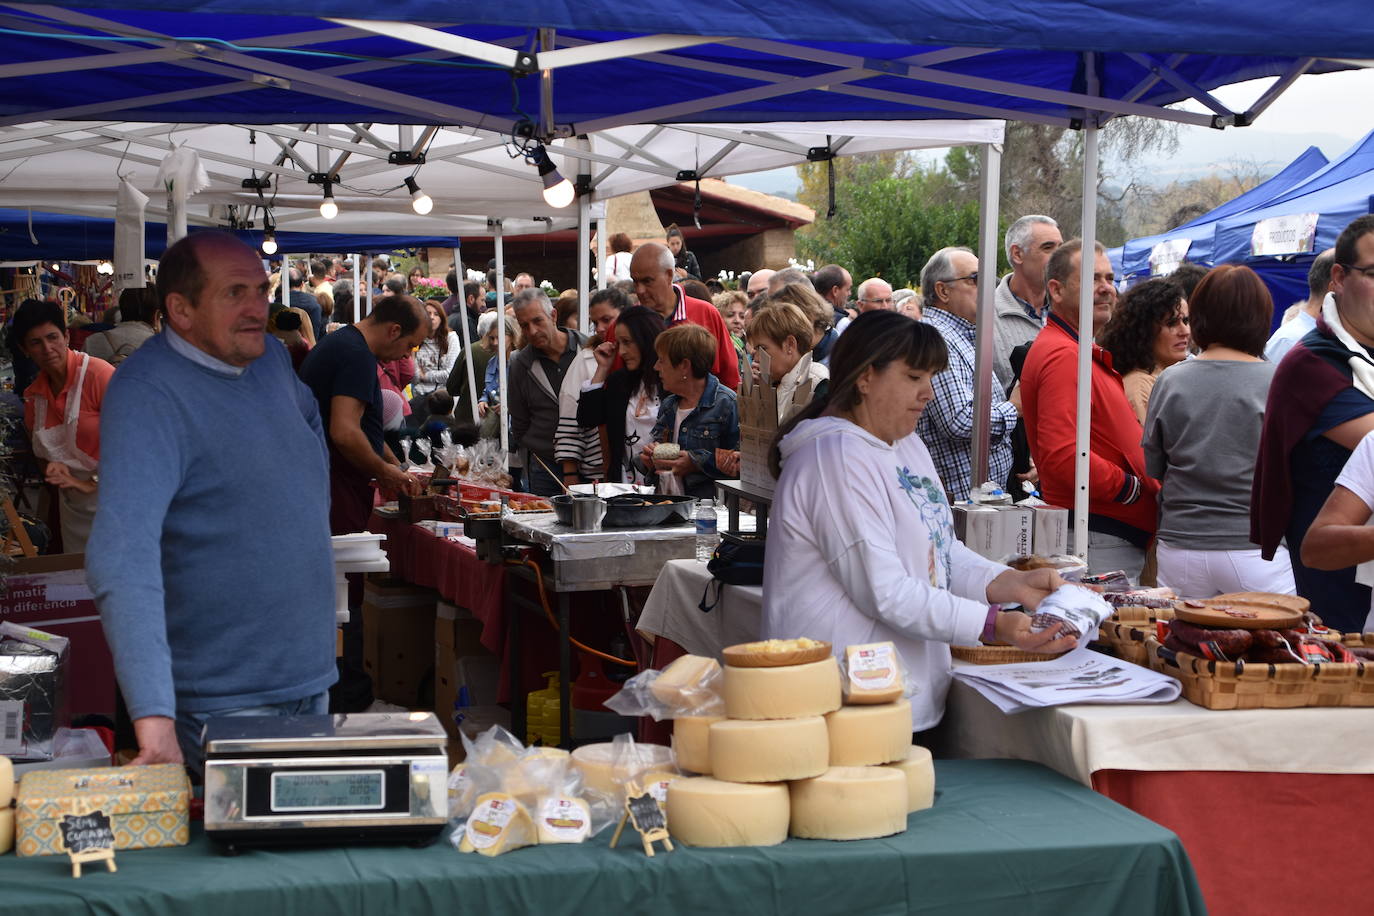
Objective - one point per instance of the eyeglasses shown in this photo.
(1367, 270)
(886, 301)
(972, 278)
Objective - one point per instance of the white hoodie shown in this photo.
(861, 549)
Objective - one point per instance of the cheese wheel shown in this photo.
(563, 819)
(498, 824)
(708, 812)
(862, 736)
(6, 782)
(773, 750)
(535, 773)
(919, 770)
(792, 692)
(6, 830)
(873, 674)
(849, 803)
(691, 740)
(602, 772)
(688, 684)
(657, 783)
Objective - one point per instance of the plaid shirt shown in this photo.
(946, 426)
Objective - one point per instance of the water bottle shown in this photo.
(707, 538)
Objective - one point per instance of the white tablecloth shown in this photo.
(1079, 740)
(671, 611)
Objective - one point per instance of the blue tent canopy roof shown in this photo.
(1135, 257)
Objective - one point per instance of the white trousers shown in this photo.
(1206, 573)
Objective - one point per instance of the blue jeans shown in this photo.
(190, 724)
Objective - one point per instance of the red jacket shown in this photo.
(1118, 486)
(726, 366)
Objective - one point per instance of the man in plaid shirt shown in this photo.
(949, 287)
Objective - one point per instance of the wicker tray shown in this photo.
(998, 655)
(1128, 628)
(1237, 685)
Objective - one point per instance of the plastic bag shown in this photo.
(1078, 610)
(874, 673)
(669, 484)
(690, 686)
(608, 767)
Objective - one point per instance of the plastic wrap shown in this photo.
(874, 673)
(690, 686)
(1078, 610)
(33, 691)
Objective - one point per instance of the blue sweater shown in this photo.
(210, 557)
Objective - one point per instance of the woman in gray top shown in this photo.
(1201, 436)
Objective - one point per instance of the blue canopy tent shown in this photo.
(64, 237)
(1135, 256)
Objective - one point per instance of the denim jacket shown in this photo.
(712, 424)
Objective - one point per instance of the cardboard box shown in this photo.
(1050, 530)
(148, 806)
(473, 678)
(398, 640)
(50, 594)
(1015, 527)
(457, 629)
(977, 527)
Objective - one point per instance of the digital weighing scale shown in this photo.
(312, 780)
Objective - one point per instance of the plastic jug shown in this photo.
(541, 709)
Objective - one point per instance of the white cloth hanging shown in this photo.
(128, 239)
(181, 175)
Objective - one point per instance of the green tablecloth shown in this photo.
(1003, 837)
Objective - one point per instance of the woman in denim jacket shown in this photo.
(698, 413)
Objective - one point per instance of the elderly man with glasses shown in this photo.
(949, 288)
(875, 293)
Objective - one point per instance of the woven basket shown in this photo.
(1128, 628)
(1237, 685)
(998, 655)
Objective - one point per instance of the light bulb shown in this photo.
(420, 202)
(269, 243)
(328, 209)
(558, 191)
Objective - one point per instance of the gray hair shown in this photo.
(487, 320)
(533, 295)
(862, 292)
(938, 269)
(788, 275)
(1019, 232)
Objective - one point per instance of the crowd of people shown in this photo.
(1221, 458)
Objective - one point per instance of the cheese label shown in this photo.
(657, 786)
(489, 821)
(873, 667)
(564, 820)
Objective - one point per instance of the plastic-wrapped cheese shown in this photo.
(603, 773)
(862, 736)
(498, 824)
(708, 812)
(6, 830)
(791, 692)
(920, 778)
(563, 819)
(691, 742)
(6, 782)
(849, 803)
(873, 674)
(688, 684)
(772, 750)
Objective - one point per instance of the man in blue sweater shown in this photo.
(210, 557)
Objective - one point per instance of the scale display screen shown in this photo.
(328, 790)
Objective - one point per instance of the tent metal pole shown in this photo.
(990, 186)
(601, 279)
(284, 287)
(369, 287)
(500, 356)
(357, 288)
(584, 261)
(1088, 260)
(464, 330)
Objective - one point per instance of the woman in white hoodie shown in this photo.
(861, 544)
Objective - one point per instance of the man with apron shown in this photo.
(70, 386)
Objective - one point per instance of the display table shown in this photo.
(671, 611)
(1003, 837)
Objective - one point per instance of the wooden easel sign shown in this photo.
(644, 814)
(88, 838)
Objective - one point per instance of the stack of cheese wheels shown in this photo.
(777, 694)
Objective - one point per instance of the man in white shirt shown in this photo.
(1305, 318)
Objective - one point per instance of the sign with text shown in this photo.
(1293, 233)
(1165, 256)
(86, 832)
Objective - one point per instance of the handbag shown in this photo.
(737, 560)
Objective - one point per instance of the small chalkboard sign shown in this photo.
(645, 815)
(88, 838)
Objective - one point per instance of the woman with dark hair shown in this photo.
(1201, 437)
(626, 401)
(413, 277)
(861, 544)
(1147, 333)
(684, 262)
(618, 264)
(62, 414)
(434, 360)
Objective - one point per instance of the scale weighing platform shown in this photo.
(314, 780)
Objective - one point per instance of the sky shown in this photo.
(1330, 111)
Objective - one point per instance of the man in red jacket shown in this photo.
(1122, 500)
(651, 269)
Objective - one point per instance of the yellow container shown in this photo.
(541, 708)
(148, 805)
